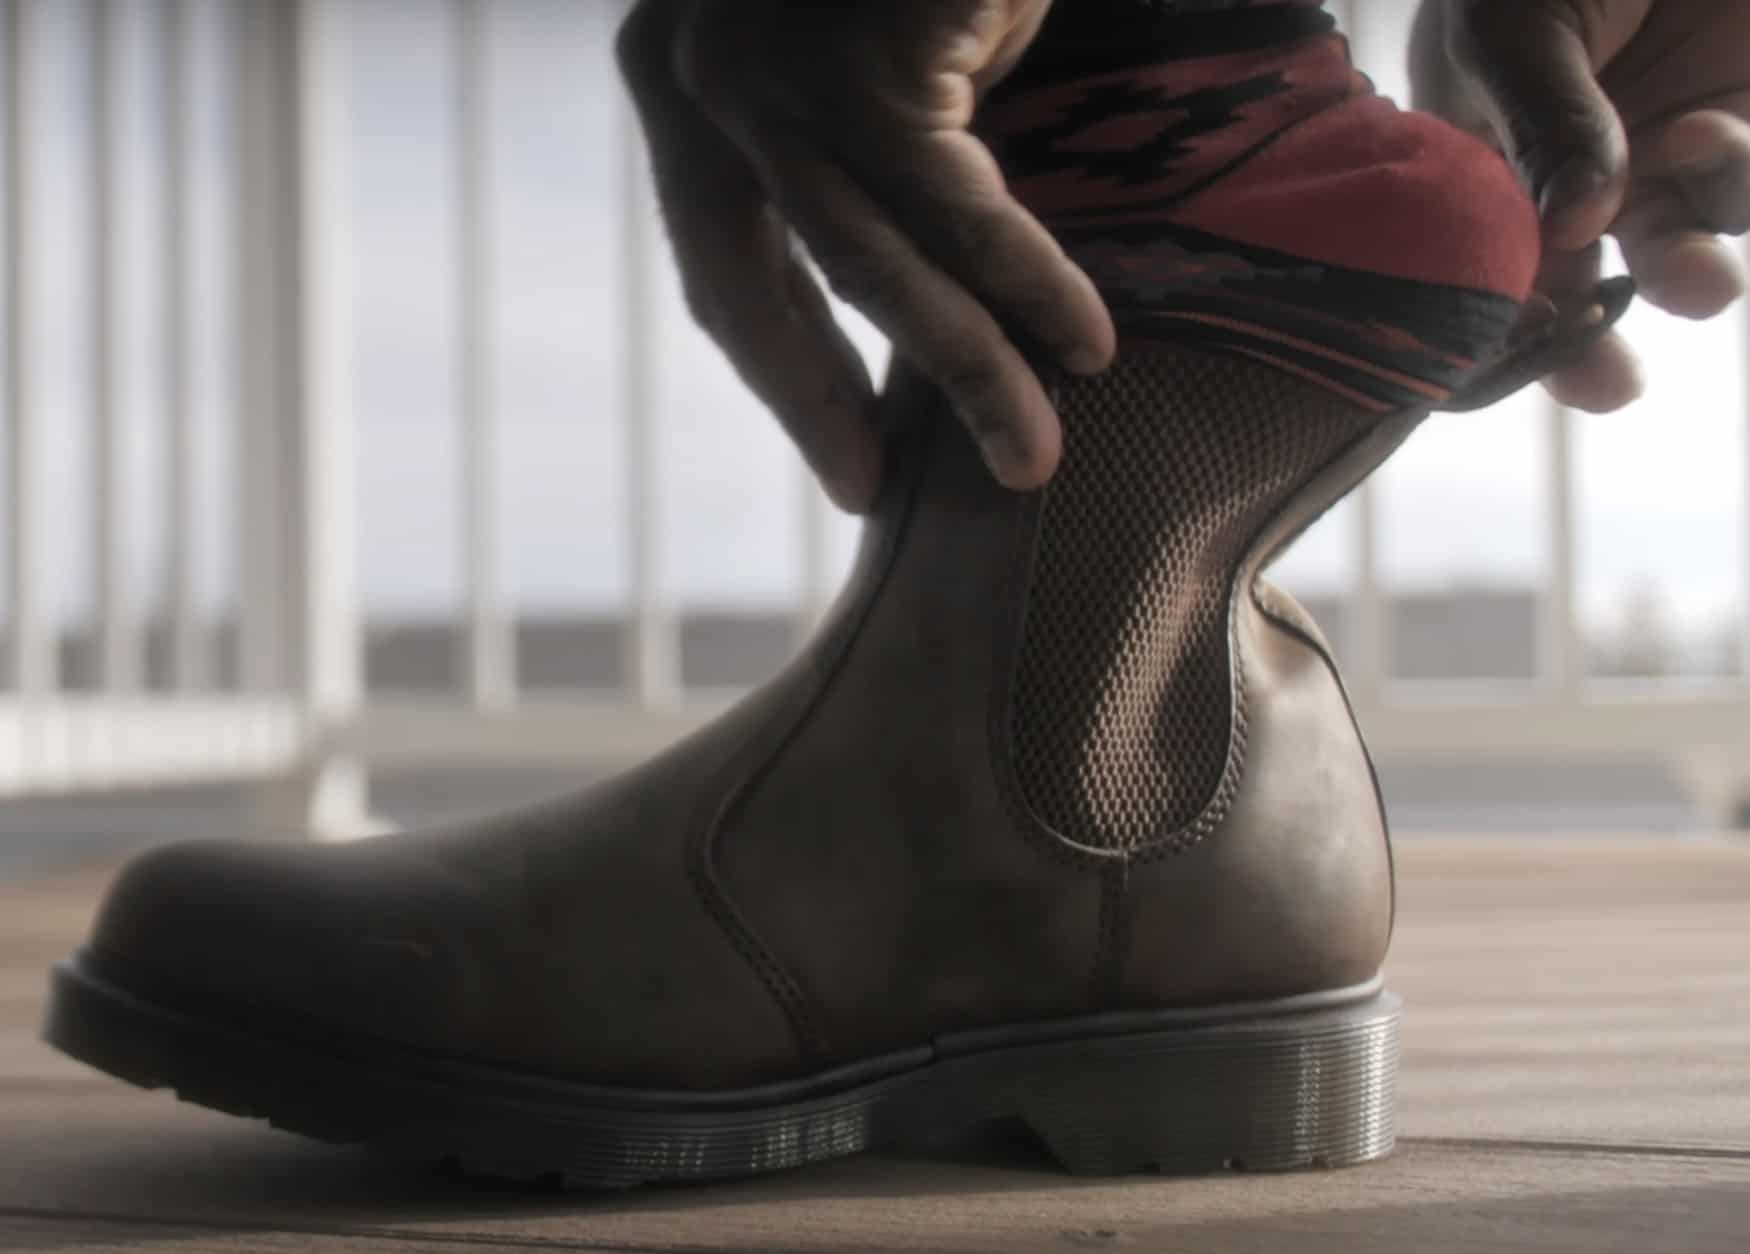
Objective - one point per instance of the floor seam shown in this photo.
(357, 1231)
(1604, 1148)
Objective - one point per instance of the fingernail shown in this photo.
(849, 497)
(1539, 309)
(1010, 460)
(1537, 320)
(1570, 187)
(854, 484)
(850, 476)
(1085, 360)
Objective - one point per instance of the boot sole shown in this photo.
(1308, 1082)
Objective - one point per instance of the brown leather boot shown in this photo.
(1062, 820)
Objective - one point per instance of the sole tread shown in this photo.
(1296, 1091)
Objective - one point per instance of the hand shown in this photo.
(1623, 116)
(845, 126)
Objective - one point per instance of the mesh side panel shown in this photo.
(1172, 463)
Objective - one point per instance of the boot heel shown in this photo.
(1316, 1090)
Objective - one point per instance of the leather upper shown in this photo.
(835, 869)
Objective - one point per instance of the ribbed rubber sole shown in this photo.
(1195, 1093)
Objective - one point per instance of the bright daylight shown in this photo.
(1008, 624)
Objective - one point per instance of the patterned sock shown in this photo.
(1231, 181)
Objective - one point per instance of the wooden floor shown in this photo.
(1577, 1078)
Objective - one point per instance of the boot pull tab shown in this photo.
(1545, 349)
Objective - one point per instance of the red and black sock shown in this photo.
(1230, 180)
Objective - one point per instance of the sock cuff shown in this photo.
(1083, 36)
(1265, 201)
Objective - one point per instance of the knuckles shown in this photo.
(644, 44)
(702, 47)
(704, 307)
(981, 237)
(711, 55)
(974, 381)
(863, 280)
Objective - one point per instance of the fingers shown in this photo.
(1609, 376)
(950, 195)
(742, 283)
(748, 291)
(932, 320)
(1682, 270)
(1707, 154)
(944, 188)
(1692, 184)
(908, 217)
(1533, 75)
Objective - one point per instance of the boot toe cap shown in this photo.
(308, 935)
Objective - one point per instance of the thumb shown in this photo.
(1532, 72)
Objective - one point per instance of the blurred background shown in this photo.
(360, 465)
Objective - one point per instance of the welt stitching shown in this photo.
(778, 981)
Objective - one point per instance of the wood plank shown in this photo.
(105, 1235)
(172, 1163)
(1579, 991)
(1577, 1077)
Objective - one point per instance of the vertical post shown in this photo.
(1744, 502)
(1561, 664)
(651, 653)
(184, 656)
(117, 652)
(262, 40)
(299, 383)
(31, 641)
(1368, 636)
(488, 642)
(324, 491)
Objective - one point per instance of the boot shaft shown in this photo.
(1061, 752)
(1127, 705)
(1051, 754)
